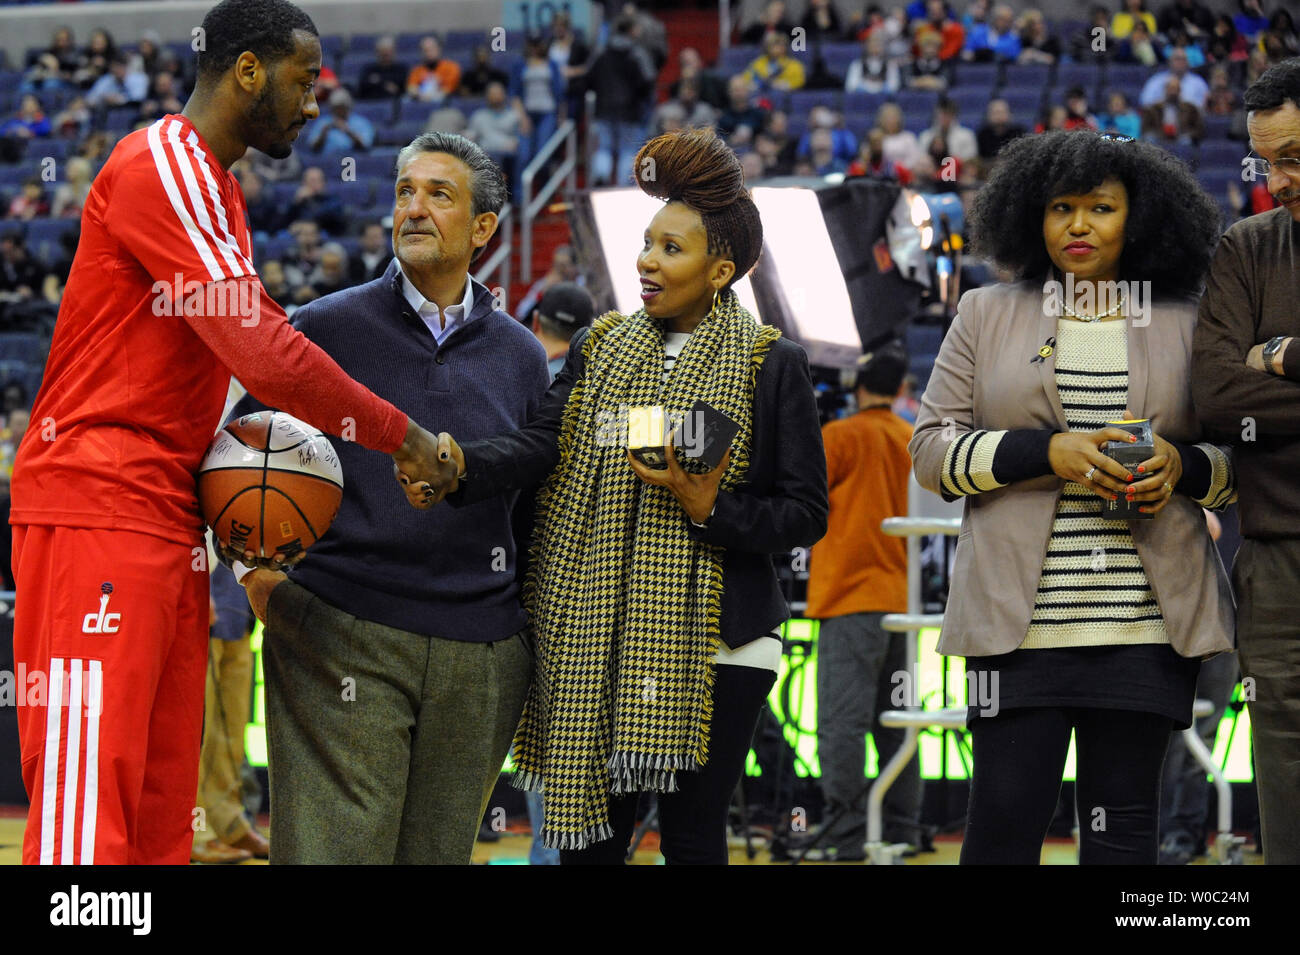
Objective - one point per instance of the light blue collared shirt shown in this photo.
(454, 315)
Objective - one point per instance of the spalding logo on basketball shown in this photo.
(270, 484)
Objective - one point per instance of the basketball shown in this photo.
(270, 484)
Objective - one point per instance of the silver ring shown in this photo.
(1091, 472)
(1168, 489)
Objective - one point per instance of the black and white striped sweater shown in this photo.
(1092, 590)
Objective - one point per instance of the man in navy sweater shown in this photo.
(397, 654)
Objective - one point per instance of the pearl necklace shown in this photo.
(1094, 318)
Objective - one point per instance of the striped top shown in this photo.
(1092, 590)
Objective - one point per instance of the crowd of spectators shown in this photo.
(321, 232)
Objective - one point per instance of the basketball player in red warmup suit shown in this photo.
(108, 551)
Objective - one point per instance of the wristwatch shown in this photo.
(1271, 348)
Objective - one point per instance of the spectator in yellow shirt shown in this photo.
(775, 69)
(1121, 25)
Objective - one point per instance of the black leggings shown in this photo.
(693, 820)
(1019, 758)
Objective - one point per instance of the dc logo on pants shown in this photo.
(101, 621)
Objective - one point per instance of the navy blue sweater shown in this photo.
(445, 572)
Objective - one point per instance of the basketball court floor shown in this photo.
(512, 848)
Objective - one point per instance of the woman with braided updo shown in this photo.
(653, 592)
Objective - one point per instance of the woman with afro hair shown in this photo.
(652, 593)
(1069, 620)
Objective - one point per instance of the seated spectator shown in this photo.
(1193, 89)
(564, 268)
(1178, 41)
(998, 130)
(21, 274)
(314, 202)
(821, 154)
(871, 160)
(498, 126)
(265, 214)
(433, 79)
(775, 69)
(777, 129)
(771, 21)
(97, 146)
(996, 40)
(53, 68)
(301, 259)
(95, 58)
(960, 139)
(862, 24)
(1094, 41)
(271, 272)
(1225, 44)
(1134, 12)
(474, 81)
(900, 146)
(117, 87)
(331, 273)
(147, 56)
(446, 119)
(1037, 45)
(1138, 47)
(690, 68)
(1120, 117)
(164, 97)
(770, 153)
(698, 112)
(975, 24)
(343, 131)
(373, 256)
(1222, 100)
(928, 71)
(1172, 118)
(30, 203)
(1052, 118)
(537, 88)
(1188, 16)
(844, 145)
(821, 22)
(1281, 30)
(1250, 20)
(938, 23)
(742, 118)
(385, 76)
(1076, 110)
(873, 72)
(73, 120)
(940, 170)
(70, 196)
(28, 122)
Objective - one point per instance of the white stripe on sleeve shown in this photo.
(178, 206)
(244, 267)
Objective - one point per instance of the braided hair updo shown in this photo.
(693, 166)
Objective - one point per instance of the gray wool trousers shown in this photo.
(383, 745)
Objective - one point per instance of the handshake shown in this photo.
(428, 467)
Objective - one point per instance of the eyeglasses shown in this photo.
(1260, 168)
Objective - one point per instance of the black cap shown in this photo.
(567, 304)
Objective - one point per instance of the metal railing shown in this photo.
(530, 205)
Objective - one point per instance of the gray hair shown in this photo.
(487, 185)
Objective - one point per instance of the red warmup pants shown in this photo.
(111, 629)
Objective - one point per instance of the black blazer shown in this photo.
(781, 505)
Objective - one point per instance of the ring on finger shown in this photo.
(1091, 472)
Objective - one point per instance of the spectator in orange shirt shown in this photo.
(857, 575)
(951, 35)
(433, 78)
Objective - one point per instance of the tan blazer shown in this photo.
(984, 379)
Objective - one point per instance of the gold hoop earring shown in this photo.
(716, 293)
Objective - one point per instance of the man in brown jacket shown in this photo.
(1246, 383)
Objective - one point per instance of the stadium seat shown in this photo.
(1216, 127)
(734, 59)
(22, 347)
(43, 236)
(1027, 76)
(801, 102)
(1085, 75)
(984, 76)
(863, 105)
(1221, 152)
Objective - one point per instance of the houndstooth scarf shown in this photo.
(626, 607)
